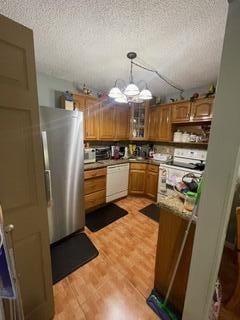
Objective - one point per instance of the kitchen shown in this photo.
(125, 173)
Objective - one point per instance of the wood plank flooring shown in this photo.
(114, 286)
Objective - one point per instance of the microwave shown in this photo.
(89, 155)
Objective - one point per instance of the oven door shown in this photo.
(175, 175)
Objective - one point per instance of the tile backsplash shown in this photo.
(159, 148)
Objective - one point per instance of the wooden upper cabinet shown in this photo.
(107, 121)
(139, 121)
(122, 122)
(79, 102)
(159, 125)
(153, 120)
(181, 112)
(164, 125)
(202, 109)
(91, 119)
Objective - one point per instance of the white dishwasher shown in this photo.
(117, 181)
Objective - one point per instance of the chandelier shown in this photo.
(131, 93)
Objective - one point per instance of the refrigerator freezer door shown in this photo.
(62, 133)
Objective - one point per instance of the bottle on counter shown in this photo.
(151, 152)
(163, 181)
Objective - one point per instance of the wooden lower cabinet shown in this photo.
(170, 235)
(94, 188)
(151, 184)
(137, 181)
(143, 179)
(95, 199)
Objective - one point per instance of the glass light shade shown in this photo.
(137, 99)
(131, 90)
(122, 99)
(115, 92)
(145, 94)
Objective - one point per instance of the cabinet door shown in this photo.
(91, 120)
(79, 102)
(153, 121)
(151, 184)
(139, 121)
(122, 122)
(181, 112)
(107, 121)
(137, 182)
(202, 109)
(164, 124)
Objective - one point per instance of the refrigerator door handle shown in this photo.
(48, 185)
(47, 172)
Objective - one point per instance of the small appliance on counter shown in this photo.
(89, 155)
(162, 157)
(103, 153)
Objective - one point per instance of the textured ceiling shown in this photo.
(87, 40)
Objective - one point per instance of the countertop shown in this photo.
(106, 163)
(174, 204)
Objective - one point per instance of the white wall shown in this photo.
(49, 89)
(219, 177)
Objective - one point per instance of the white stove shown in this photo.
(184, 161)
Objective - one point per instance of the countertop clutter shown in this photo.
(172, 202)
(106, 163)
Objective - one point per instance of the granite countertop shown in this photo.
(94, 165)
(172, 202)
(106, 163)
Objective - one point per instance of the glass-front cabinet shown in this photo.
(138, 121)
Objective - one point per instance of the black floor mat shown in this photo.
(152, 211)
(102, 217)
(71, 253)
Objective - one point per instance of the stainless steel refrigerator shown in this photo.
(63, 149)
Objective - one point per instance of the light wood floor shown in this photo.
(115, 285)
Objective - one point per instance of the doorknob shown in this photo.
(9, 228)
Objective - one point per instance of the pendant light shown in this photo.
(115, 92)
(121, 99)
(131, 92)
(132, 89)
(145, 94)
